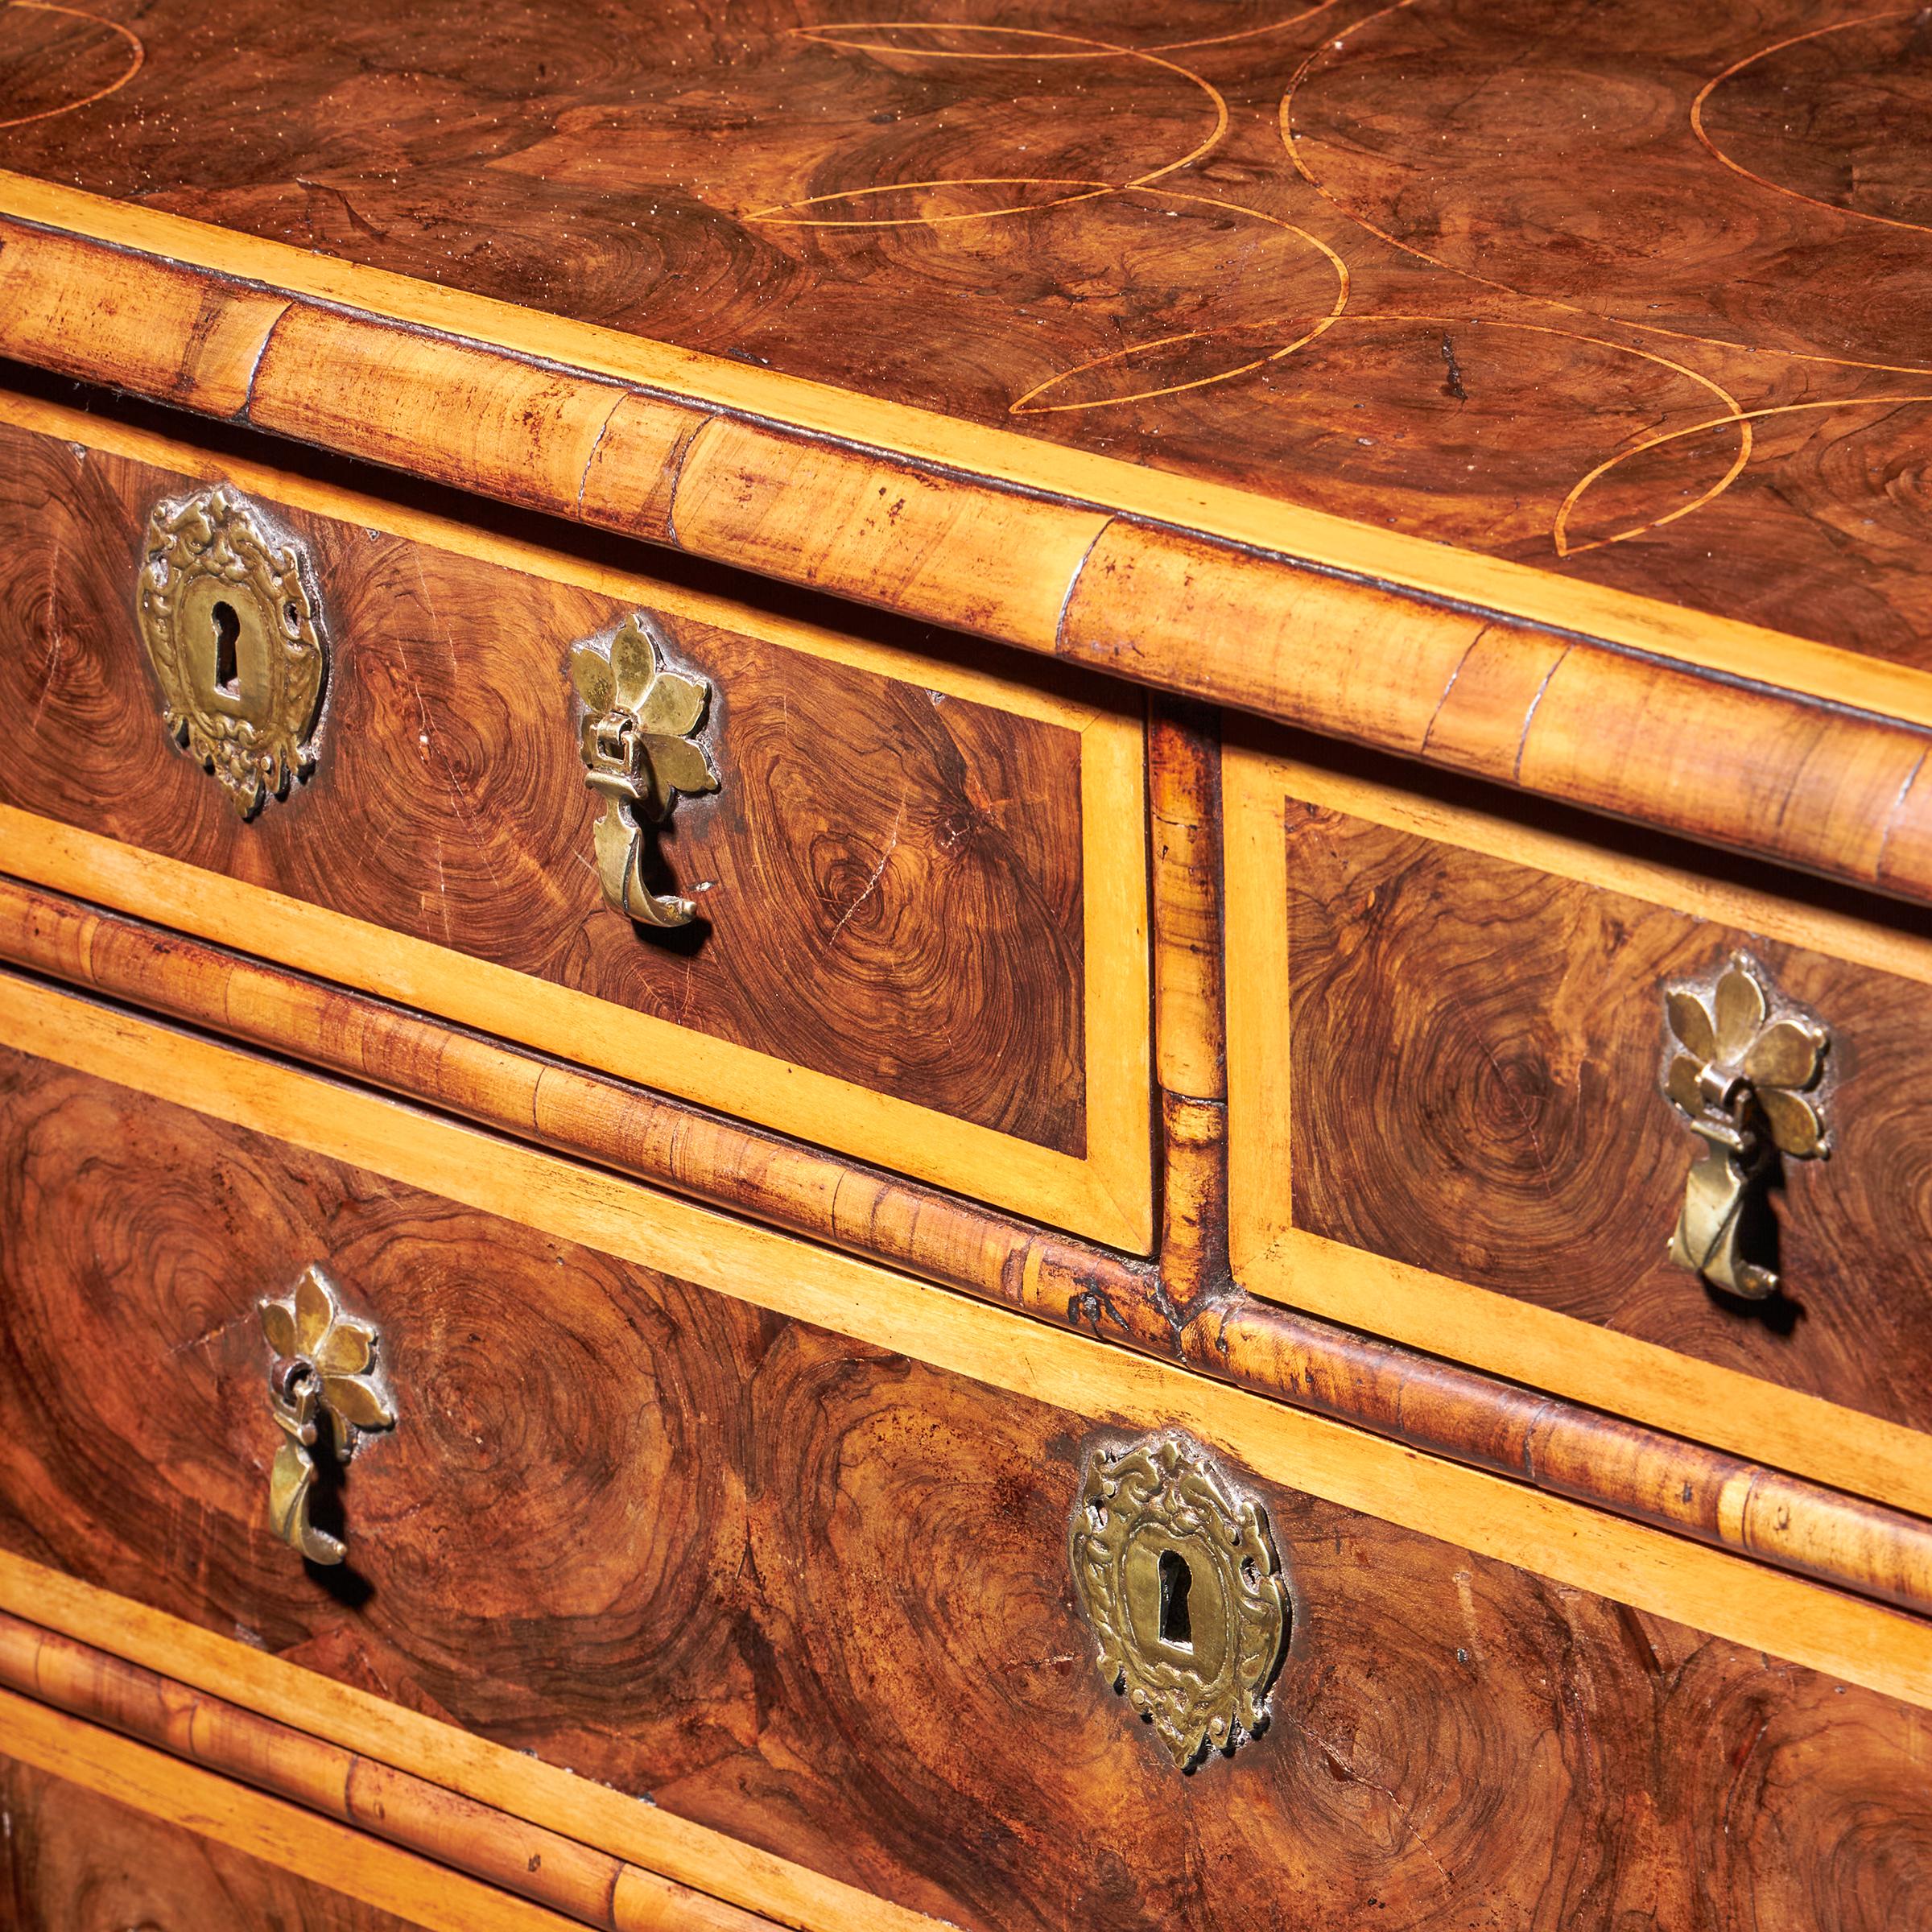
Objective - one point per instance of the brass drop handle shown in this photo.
(323, 1379)
(1743, 1078)
(640, 750)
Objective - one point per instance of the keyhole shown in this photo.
(228, 628)
(1177, 1580)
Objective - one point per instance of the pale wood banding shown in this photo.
(589, 1886)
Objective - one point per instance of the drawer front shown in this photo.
(1452, 1124)
(820, 1597)
(74, 1861)
(920, 931)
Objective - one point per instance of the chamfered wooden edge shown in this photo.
(1172, 1313)
(1747, 737)
(1272, 1256)
(588, 1886)
(1707, 1589)
(279, 1834)
(1106, 1193)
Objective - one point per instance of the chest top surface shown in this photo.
(1634, 294)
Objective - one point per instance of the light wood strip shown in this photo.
(1050, 693)
(278, 1833)
(1272, 1257)
(1748, 1604)
(1003, 456)
(222, 1737)
(511, 1781)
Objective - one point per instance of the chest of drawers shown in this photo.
(968, 972)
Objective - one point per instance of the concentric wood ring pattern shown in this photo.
(1448, 1125)
(816, 1595)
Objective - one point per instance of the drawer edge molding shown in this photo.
(186, 1666)
(413, 1814)
(1443, 1408)
(287, 1837)
(1102, 1189)
(1199, 590)
(1650, 1568)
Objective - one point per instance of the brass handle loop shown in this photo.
(1742, 1074)
(640, 749)
(324, 1378)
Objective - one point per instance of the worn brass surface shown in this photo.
(640, 750)
(324, 1376)
(236, 641)
(1181, 1584)
(1740, 1074)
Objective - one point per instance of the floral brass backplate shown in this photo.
(1180, 1582)
(234, 637)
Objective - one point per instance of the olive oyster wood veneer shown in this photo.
(873, 1208)
(722, 1475)
(1452, 1118)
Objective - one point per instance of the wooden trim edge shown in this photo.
(1203, 592)
(286, 1836)
(475, 1840)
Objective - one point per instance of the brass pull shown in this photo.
(640, 750)
(1180, 1582)
(1739, 1077)
(236, 641)
(324, 1374)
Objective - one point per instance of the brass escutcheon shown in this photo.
(323, 1377)
(1740, 1073)
(236, 641)
(1180, 1580)
(640, 749)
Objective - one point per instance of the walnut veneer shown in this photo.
(1080, 870)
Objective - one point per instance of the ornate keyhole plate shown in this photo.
(236, 640)
(1181, 1584)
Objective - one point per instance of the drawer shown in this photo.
(1450, 1125)
(920, 930)
(820, 1595)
